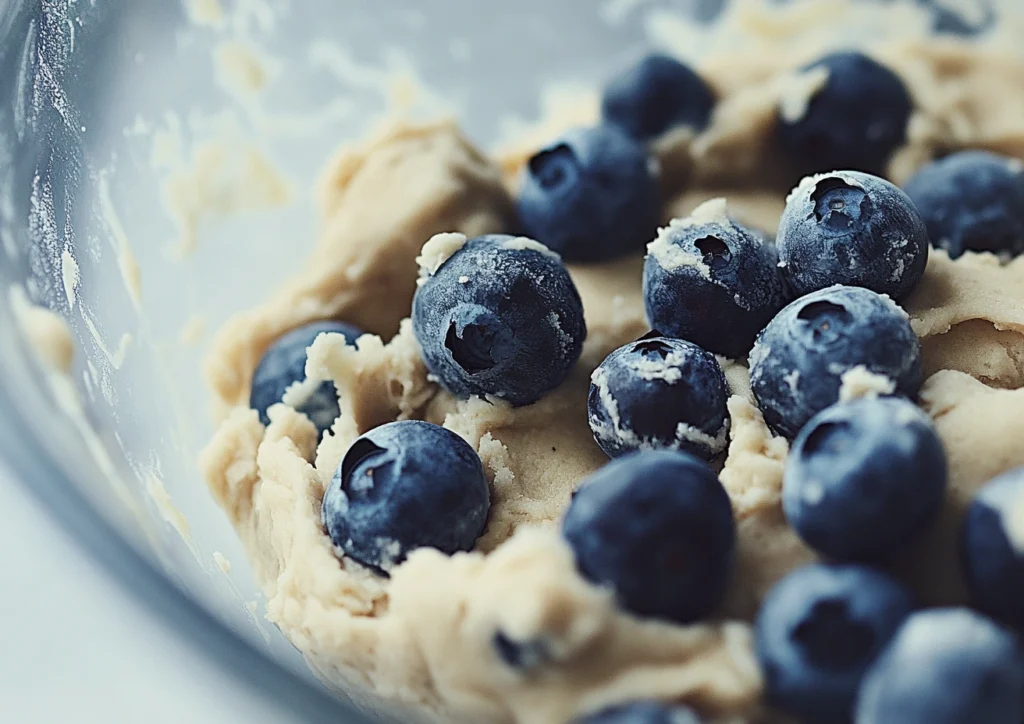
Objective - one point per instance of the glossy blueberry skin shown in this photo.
(994, 566)
(284, 364)
(818, 631)
(513, 329)
(856, 121)
(402, 486)
(855, 229)
(864, 478)
(657, 94)
(592, 195)
(643, 712)
(945, 666)
(716, 284)
(798, 361)
(659, 394)
(972, 200)
(657, 529)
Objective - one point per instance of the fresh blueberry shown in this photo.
(993, 547)
(819, 630)
(864, 478)
(643, 712)
(799, 361)
(657, 529)
(500, 317)
(591, 196)
(406, 485)
(945, 666)
(284, 364)
(655, 95)
(972, 200)
(711, 281)
(965, 20)
(659, 393)
(855, 120)
(522, 655)
(851, 228)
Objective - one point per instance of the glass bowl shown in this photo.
(156, 161)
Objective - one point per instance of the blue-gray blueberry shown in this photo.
(993, 548)
(284, 364)
(972, 201)
(856, 118)
(802, 358)
(592, 195)
(655, 95)
(851, 228)
(864, 478)
(405, 485)
(945, 666)
(657, 529)
(499, 316)
(710, 280)
(659, 394)
(818, 631)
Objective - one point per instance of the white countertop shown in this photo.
(74, 647)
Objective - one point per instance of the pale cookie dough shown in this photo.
(376, 203)
(46, 332)
(422, 640)
(965, 96)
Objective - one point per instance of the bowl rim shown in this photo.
(28, 460)
(65, 504)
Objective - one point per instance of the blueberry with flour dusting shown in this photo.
(945, 666)
(826, 344)
(851, 228)
(402, 486)
(710, 280)
(817, 633)
(655, 95)
(643, 712)
(497, 315)
(659, 393)
(281, 373)
(972, 200)
(592, 195)
(864, 478)
(993, 548)
(853, 113)
(656, 528)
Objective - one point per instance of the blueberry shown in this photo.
(966, 20)
(643, 712)
(798, 363)
(864, 478)
(659, 393)
(406, 485)
(500, 317)
(657, 529)
(819, 630)
(522, 655)
(711, 281)
(993, 547)
(655, 95)
(851, 228)
(972, 200)
(284, 364)
(945, 666)
(856, 120)
(591, 196)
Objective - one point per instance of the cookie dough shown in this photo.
(419, 644)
